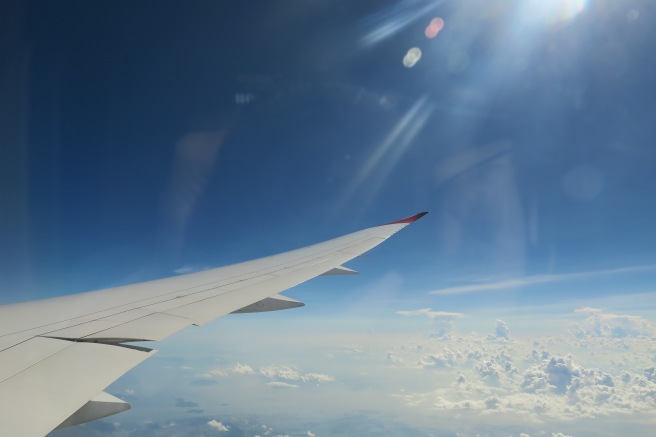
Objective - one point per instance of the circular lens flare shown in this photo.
(412, 57)
(434, 27)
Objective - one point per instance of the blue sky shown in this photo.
(153, 137)
(534, 158)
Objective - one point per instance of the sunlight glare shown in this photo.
(560, 11)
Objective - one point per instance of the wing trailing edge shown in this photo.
(100, 406)
(274, 303)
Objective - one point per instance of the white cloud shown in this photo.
(310, 434)
(317, 377)
(242, 369)
(281, 372)
(531, 382)
(502, 330)
(218, 426)
(449, 358)
(281, 376)
(433, 315)
(526, 281)
(600, 324)
(559, 434)
(213, 373)
(534, 386)
(292, 374)
(237, 369)
(588, 310)
(280, 384)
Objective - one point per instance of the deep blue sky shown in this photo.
(529, 137)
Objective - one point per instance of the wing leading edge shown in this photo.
(59, 354)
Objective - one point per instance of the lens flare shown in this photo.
(434, 27)
(412, 57)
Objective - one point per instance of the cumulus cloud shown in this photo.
(237, 369)
(218, 426)
(502, 330)
(281, 376)
(448, 358)
(281, 372)
(292, 374)
(607, 325)
(316, 377)
(492, 402)
(433, 315)
(242, 369)
(529, 382)
(536, 386)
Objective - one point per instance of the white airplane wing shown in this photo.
(57, 355)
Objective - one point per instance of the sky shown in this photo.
(144, 140)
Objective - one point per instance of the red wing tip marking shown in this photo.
(410, 219)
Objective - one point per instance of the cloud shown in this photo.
(433, 315)
(449, 358)
(588, 310)
(281, 372)
(242, 369)
(237, 369)
(181, 403)
(534, 387)
(218, 426)
(502, 330)
(282, 376)
(606, 325)
(492, 402)
(292, 374)
(281, 384)
(526, 281)
(317, 377)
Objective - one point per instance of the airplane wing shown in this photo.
(59, 354)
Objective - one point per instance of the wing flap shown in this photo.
(39, 397)
(102, 405)
(274, 303)
(339, 271)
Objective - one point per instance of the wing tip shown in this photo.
(411, 219)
